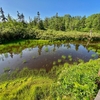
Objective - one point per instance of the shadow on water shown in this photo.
(45, 56)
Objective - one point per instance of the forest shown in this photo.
(14, 29)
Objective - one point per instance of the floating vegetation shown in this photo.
(70, 57)
(59, 60)
(63, 56)
(54, 63)
(81, 61)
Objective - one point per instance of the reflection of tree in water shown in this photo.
(58, 45)
(68, 46)
(11, 55)
(77, 47)
(54, 49)
(39, 49)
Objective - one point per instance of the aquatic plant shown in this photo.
(59, 60)
(63, 56)
(81, 61)
(70, 57)
(54, 62)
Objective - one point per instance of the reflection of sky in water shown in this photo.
(38, 57)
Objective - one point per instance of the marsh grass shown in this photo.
(29, 84)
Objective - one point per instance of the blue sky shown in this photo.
(48, 8)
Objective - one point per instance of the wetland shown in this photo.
(44, 54)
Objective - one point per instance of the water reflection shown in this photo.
(44, 56)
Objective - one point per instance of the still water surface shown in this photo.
(44, 56)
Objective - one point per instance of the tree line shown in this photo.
(11, 29)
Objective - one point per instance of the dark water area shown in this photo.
(44, 56)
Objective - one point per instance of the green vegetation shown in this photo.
(66, 82)
(77, 81)
(70, 57)
(59, 60)
(54, 63)
(56, 27)
(63, 56)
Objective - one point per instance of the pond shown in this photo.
(46, 56)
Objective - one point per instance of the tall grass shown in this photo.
(63, 82)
